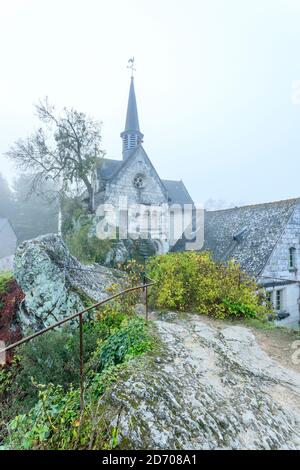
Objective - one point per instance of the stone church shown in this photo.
(133, 187)
(264, 238)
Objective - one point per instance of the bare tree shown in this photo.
(67, 150)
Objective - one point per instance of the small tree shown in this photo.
(66, 150)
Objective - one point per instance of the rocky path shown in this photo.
(207, 388)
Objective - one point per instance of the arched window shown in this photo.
(292, 257)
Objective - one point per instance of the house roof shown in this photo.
(247, 234)
(177, 192)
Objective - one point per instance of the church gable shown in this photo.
(137, 179)
(285, 258)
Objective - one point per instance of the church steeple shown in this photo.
(131, 135)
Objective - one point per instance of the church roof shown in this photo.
(132, 119)
(109, 167)
(247, 234)
(177, 192)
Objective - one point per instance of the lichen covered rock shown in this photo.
(205, 389)
(55, 283)
(118, 254)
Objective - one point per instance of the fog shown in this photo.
(216, 84)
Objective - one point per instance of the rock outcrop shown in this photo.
(125, 250)
(55, 283)
(118, 254)
(205, 389)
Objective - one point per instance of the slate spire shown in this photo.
(132, 119)
(131, 135)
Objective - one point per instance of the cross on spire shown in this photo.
(131, 66)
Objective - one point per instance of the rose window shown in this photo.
(138, 181)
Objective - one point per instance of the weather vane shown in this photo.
(131, 66)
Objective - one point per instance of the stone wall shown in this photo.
(151, 197)
(278, 267)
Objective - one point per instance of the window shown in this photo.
(279, 300)
(139, 181)
(292, 258)
(269, 296)
(149, 221)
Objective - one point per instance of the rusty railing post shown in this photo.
(146, 296)
(81, 363)
(147, 308)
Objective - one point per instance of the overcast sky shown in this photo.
(214, 84)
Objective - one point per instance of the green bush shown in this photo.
(87, 248)
(129, 341)
(5, 278)
(72, 211)
(54, 357)
(54, 420)
(76, 229)
(192, 281)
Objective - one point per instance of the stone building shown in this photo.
(264, 239)
(8, 244)
(130, 195)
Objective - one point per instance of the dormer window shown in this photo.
(238, 236)
(292, 258)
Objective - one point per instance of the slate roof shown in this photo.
(247, 234)
(109, 167)
(177, 192)
(132, 120)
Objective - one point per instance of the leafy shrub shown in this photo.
(54, 358)
(192, 281)
(76, 229)
(55, 411)
(72, 211)
(50, 358)
(5, 278)
(54, 420)
(87, 248)
(129, 341)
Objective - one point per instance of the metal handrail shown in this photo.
(80, 314)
